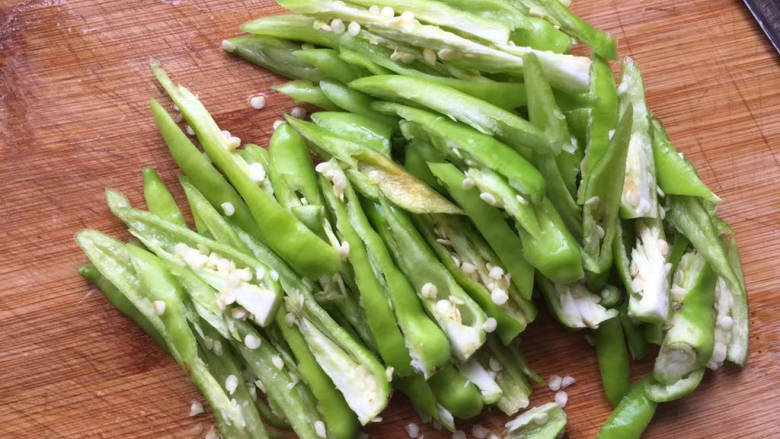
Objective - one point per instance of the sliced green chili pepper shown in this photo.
(573, 305)
(142, 280)
(120, 302)
(479, 114)
(276, 55)
(443, 298)
(201, 172)
(637, 344)
(223, 366)
(304, 91)
(688, 343)
(547, 421)
(456, 393)
(375, 303)
(649, 273)
(477, 269)
(631, 416)
(508, 95)
(510, 377)
(159, 200)
(339, 419)
(360, 60)
(290, 27)
(602, 199)
(215, 225)
(669, 392)
(610, 296)
(329, 64)
(229, 271)
(560, 171)
(639, 197)
(417, 154)
(394, 182)
(480, 375)
(613, 359)
(491, 224)
(352, 101)
(423, 400)
(691, 219)
(427, 344)
(676, 174)
(600, 42)
(278, 227)
(464, 144)
(357, 128)
(601, 120)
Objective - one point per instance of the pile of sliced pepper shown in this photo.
(463, 157)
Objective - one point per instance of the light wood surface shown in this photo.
(74, 119)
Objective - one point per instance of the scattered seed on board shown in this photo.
(412, 430)
(227, 46)
(459, 434)
(212, 434)
(257, 102)
(567, 381)
(277, 122)
(561, 398)
(554, 383)
(196, 408)
(479, 432)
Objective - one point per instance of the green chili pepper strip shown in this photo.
(456, 313)
(259, 296)
(360, 60)
(637, 344)
(159, 200)
(547, 421)
(327, 61)
(602, 199)
(376, 306)
(600, 42)
(339, 419)
(639, 198)
(395, 183)
(601, 119)
(142, 280)
(224, 365)
(200, 171)
(613, 359)
(461, 143)
(676, 174)
(669, 392)
(216, 225)
(274, 54)
(481, 115)
(304, 91)
(279, 228)
(507, 95)
(491, 224)
(353, 101)
(511, 378)
(456, 393)
(291, 27)
(631, 416)
(357, 128)
(689, 217)
(427, 344)
(423, 400)
(467, 257)
(120, 302)
(689, 342)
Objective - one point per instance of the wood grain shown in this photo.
(74, 120)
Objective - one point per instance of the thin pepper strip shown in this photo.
(278, 227)
(305, 91)
(612, 357)
(691, 219)
(631, 416)
(159, 200)
(274, 54)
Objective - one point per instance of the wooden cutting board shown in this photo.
(74, 119)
